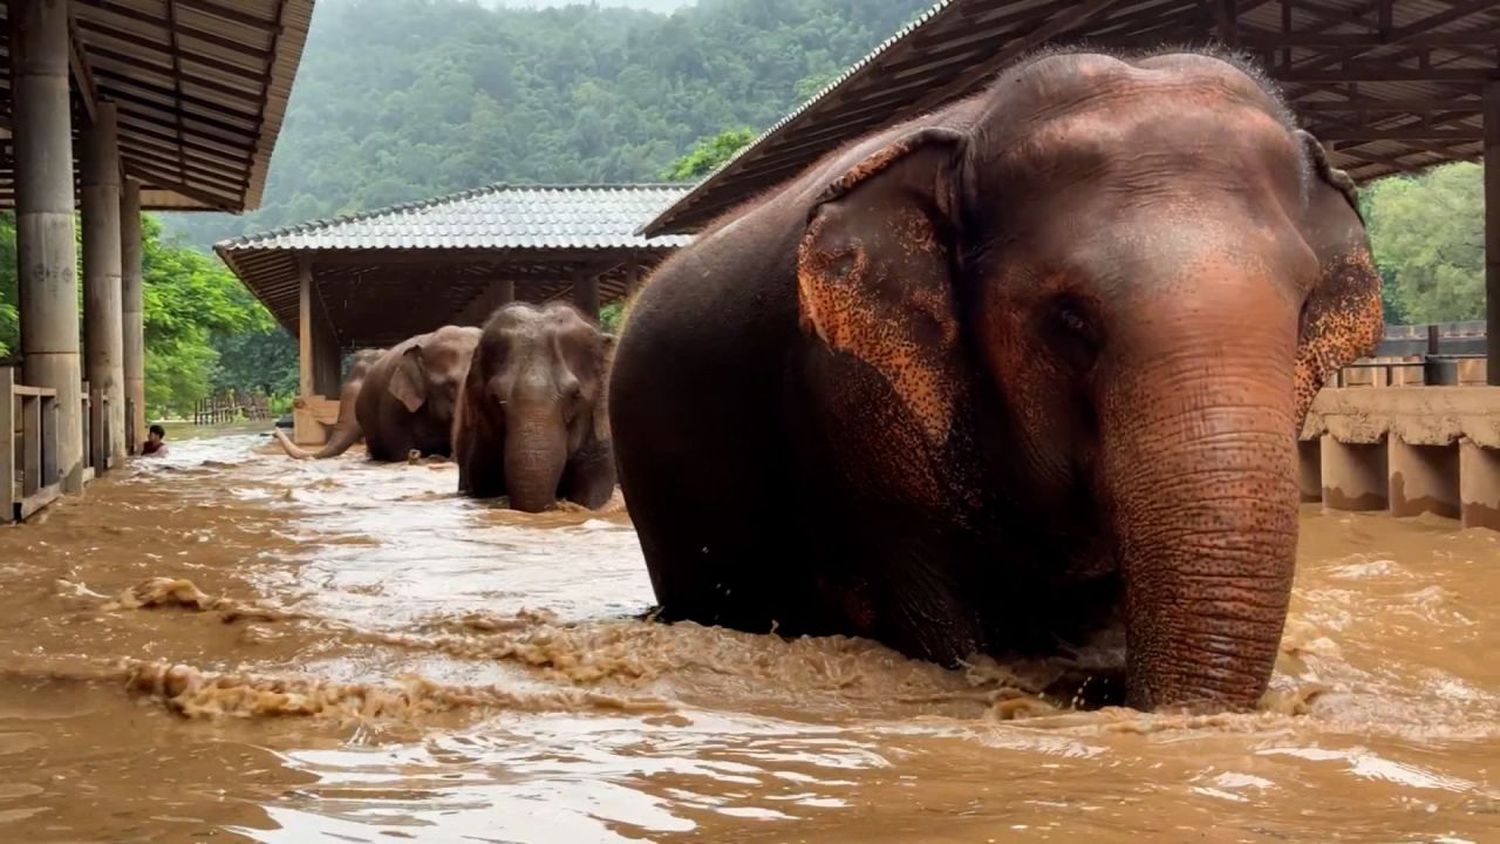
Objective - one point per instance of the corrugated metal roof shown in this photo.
(493, 217)
(200, 87)
(383, 275)
(1338, 61)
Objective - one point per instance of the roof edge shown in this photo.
(283, 72)
(249, 240)
(659, 225)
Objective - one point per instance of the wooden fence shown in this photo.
(231, 406)
(28, 455)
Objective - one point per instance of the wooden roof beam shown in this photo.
(229, 13)
(83, 77)
(1456, 12)
(114, 14)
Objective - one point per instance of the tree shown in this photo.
(1427, 232)
(709, 155)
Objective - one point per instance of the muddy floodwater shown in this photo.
(229, 644)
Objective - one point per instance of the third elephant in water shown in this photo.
(404, 402)
(531, 421)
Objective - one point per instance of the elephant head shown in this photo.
(532, 421)
(431, 367)
(1111, 287)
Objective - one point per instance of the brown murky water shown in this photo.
(230, 644)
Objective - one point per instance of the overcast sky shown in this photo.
(655, 5)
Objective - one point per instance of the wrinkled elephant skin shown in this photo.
(1018, 376)
(531, 423)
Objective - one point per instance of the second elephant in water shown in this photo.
(531, 422)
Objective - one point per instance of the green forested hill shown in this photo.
(401, 99)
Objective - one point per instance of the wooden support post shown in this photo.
(327, 362)
(132, 313)
(633, 278)
(103, 311)
(42, 131)
(1492, 230)
(586, 294)
(305, 428)
(8, 444)
(1227, 26)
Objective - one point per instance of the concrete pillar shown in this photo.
(586, 295)
(1354, 475)
(1492, 230)
(133, 309)
(1423, 479)
(1310, 469)
(42, 129)
(1479, 485)
(103, 316)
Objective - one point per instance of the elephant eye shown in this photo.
(1069, 328)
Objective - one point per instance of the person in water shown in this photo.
(154, 444)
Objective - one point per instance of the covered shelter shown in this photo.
(1388, 87)
(165, 105)
(375, 278)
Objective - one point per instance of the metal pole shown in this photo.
(103, 312)
(133, 312)
(46, 255)
(1492, 231)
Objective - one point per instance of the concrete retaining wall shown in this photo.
(1408, 450)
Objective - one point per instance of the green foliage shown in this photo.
(10, 318)
(609, 316)
(1428, 235)
(190, 300)
(197, 315)
(709, 155)
(403, 99)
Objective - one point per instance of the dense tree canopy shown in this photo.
(402, 99)
(1428, 235)
(193, 307)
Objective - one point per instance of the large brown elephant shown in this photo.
(531, 422)
(1007, 377)
(404, 402)
(346, 430)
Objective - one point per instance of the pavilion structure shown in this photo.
(1388, 86)
(112, 107)
(375, 278)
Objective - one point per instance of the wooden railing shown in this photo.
(232, 406)
(86, 421)
(29, 477)
(99, 458)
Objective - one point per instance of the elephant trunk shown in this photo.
(344, 437)
(536, 452)
(1200, 458)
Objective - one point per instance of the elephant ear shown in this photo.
(874, 272)
(1342, 318)
(409, 381)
